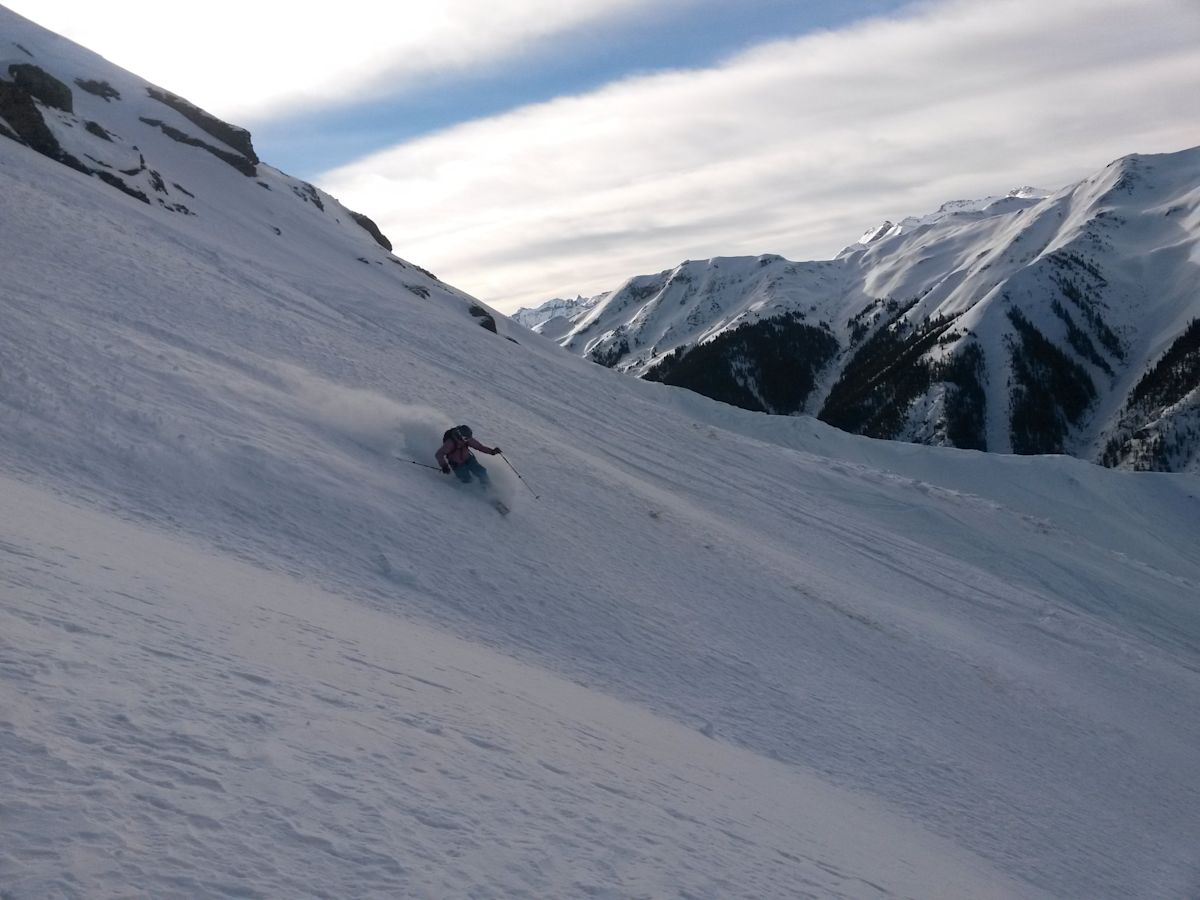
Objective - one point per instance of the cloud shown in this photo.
(248, 61)
(794, 147)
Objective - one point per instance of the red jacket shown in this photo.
(457, 451)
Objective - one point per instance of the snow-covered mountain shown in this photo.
(1031, 323)
(249, 648)
(157, 148)
(549, 317)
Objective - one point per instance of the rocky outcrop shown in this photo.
(308, 194)
(18, 109)
(373, 230)
(486, 319)
(38, 83)
(230, 135)
(243, 165)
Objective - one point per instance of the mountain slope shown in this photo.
(1029, 323)
(548, 317)
(244, 650)
(158, 149)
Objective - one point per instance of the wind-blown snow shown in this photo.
(245, 650)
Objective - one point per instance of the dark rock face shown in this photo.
(120, 185)
(372, 229)
(99, 131)
(17, 107)
(243, 165)
(308, 194)
(101, 89)
(231, 135)
(486, 319)
(42, 85)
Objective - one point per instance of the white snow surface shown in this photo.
(246, 651)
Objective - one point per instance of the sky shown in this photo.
(530, 149)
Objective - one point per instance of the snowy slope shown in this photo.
(1030, 323)
(140, 140)
(245, 651)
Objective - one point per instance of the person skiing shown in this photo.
(455, 455)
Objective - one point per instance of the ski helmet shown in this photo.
(465, 432)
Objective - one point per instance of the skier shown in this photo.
(455, 455)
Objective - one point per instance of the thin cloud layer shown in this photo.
(250, 61)
(795, 147)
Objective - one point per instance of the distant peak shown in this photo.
(879, 231)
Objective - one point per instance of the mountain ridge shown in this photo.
(984, 312)
(161, 150)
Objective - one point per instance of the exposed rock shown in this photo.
(486, 319)
(138, 169)
(99, 131)
(373, 230)
(120, 185)
(243, 165)
(42, 85)
(307, 193)
(18, 109)
(101, 89)
(232, 135)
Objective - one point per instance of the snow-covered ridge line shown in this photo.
(82, 111)
(987, 206)
(1029, 323)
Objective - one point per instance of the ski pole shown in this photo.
(523, 481)
(415, 463)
